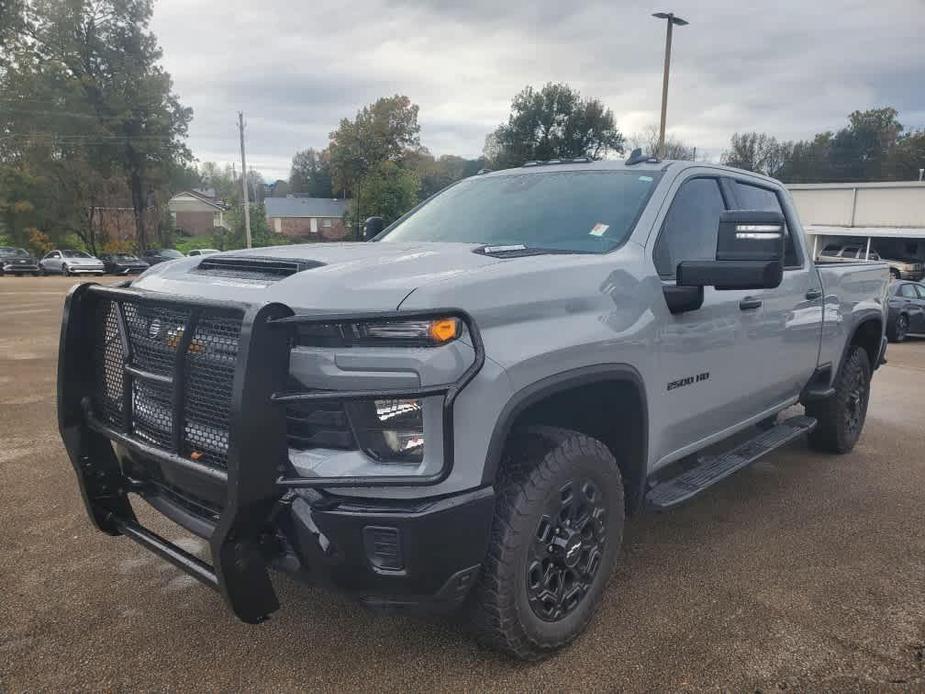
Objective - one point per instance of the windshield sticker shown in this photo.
(599, 229)
(647, 179)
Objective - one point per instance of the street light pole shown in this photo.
(671, 21)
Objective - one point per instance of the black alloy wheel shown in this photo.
(567, 549)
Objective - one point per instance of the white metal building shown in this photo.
(887, 218)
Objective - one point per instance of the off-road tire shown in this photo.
(841, 417)
(538, 463)
(900, 329)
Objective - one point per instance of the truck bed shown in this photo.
(853, 292)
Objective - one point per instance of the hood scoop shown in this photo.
(245, 267)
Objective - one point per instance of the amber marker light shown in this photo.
(444, 329)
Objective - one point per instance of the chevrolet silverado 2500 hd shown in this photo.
(462, 411)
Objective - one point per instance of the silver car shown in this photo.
(70, 262)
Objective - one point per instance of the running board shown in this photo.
(714, 468)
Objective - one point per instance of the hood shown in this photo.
(338, 276)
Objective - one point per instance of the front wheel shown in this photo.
(65, 270)
(841, 416)
(555, 539)
(894, 273)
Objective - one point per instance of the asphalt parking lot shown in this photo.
(803, 572)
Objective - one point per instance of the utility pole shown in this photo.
(247, 207)
(672, 20)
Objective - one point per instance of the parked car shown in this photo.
(123, 264)
(461, 412)
(899, 269)
(907, 310)
(17, 261)
(70, 262)
(202, 251)
(153, 256)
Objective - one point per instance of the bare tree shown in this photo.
(647, 141)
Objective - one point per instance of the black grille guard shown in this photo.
(255, 478)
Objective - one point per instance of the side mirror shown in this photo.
(372, 226)
(749, 254)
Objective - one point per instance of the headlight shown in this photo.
(400, 333)
(389, 430)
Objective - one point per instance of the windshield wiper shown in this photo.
(519, 250)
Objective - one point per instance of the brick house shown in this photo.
(315, 219)
(197, 212)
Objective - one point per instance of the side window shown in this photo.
(920, 288)
(689, 229)
(907, 291)
(757, 198)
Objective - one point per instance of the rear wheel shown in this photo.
(841, 417)
(555, 538)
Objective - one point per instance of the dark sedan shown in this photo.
(153, 256)
(907, 310)
(17, 261)
(123, 264)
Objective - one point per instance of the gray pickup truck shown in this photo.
(462, 411)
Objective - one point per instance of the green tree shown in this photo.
(385, 131)
(86, 83)
(860, 151)
(311, 174)
(907, 157)
(437, 173)
(388, 191)
(553, 123)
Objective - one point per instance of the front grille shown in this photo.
(153, 333)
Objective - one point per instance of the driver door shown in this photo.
(707, 357)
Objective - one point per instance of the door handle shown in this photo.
(813, 294)
(749, 303)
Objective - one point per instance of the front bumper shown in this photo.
(17, 267)
(253, 511)
(85, 270)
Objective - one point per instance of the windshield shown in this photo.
(169, 253)
(578, 211)
(13, 253)
(75, 254)
(123, 256)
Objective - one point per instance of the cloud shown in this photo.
(790, 68)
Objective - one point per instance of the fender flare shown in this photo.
(863, 318)
(557, 383)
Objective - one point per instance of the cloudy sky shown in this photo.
(788, 67)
